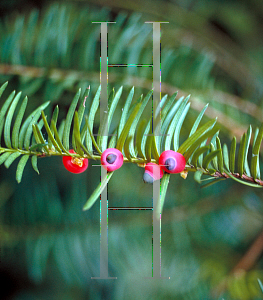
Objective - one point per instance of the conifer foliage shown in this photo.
(202, 150)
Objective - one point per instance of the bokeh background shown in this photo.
(212, 50)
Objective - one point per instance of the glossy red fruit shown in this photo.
(111, 159)
(152, 173)
(172, 162)
(74, 164)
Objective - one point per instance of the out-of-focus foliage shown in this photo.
(49, 246)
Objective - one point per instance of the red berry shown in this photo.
(152, 173)
(111, 159)
(172, 162)
(75, 164)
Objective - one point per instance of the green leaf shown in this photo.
(163, 102)
(225, 156)
(4, 110)
(255, 154)
(214, 147)
(197, 153)
(92, 138)
(110, 116)
(37, 147)
(95, 195)
(53, 126)
(173, 124)
(148, 146)
(127, 146)
(113, 140)
(167, 120)
(155, 152)
(104, 124)
(159, 107)
(89, 155)
(4, 156)
(260, 284)
(255, 136)
(179, 126)
(140, 137)
(197, 121)
(11, 158)
(18, 122)
(76, 134)
(197, 176)
(246, 166)
(169, 104)
(157, 122)
(126, 129)
(213, 139)
(34, 163)
(200, 158)
(3, 87)
(241, 155)
(81, 149)
(50, 132)
(40, 139)
(197, 142)
(209, 157)
(191, 140)
(82, 106)
(83, 133)
(214, 160)
(20, 167)
(26, 129)
(220, 156)
(125, 111)
(136, 120)
(68, 122)
(232, 155)
(36, 136)
(9, 116)
(92, 113)
(145, 137)
(81, 111)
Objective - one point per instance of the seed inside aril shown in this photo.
(170, 164)
(77, 161)
(147, 178)
(111, 158)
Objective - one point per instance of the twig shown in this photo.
(236, 175)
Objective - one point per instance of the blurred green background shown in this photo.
(212, 50)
